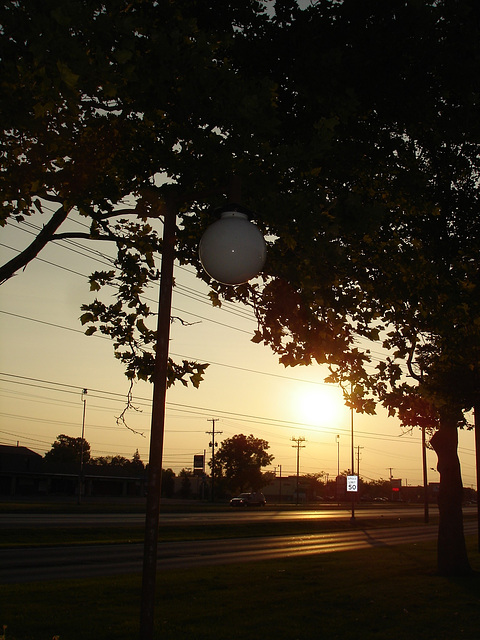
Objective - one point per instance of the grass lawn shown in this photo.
(380, 593)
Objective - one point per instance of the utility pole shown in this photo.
(338, 456)
(80, 478)
(280, 491)
(352, 518)
(358, 469)
(298, 445)
(358, 461)
(213, 444)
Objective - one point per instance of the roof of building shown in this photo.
(6, 449)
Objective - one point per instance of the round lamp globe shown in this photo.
(232, 250)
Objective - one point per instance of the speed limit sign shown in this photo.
(352, 483)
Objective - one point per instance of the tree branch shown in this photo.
(27, 255)
(82, 236)
(411, 355)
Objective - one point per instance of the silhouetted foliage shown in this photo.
(239, 462)
(168, 483)
(135, 465)
(66, 452)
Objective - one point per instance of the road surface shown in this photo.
(39, 563)
(35, 520)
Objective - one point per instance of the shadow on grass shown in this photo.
(388, 592)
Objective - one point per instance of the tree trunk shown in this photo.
(477, 465)
(451, 552)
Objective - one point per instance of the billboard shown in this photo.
(198, 464)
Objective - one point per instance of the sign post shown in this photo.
(352, 488)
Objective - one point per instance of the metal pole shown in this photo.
(80, 479)
(298, 466)
(353, 468)
(147, 610)
(213, 461)
(280, 497)
(425, 481)
(337, 488)
(212, 433)
(338, 456)
(298, 444)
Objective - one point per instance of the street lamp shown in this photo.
(232, 249)
(352, 518)
(338, 456)
(228, 243)
(80, 477)
(337, 482)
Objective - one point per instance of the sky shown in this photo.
(46, 361)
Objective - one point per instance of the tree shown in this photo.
(240, 460)
(352, 127)
(110, 461)
(67, 452)
(168, 483)
(383, 243)
(186, 486)
(130, 100)
(313, 485)
(135, 465)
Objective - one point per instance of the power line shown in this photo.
(192, 409)
(191, 293)
(105, 260)
(177, 355)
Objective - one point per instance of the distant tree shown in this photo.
(134, 466)
(186, 485)
(313, 483)
(377, 488)
(67, 451)
(268, 477)
(168, 483)
(136, 463)
(240, 460)
(110, 461)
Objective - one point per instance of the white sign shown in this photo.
(352, 483)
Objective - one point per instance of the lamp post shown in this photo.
(80, 477)
(338, 456)
(219, 249)
(352, 518)
(426, 515)
(280, 483)
(337, 488)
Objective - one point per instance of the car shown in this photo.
(254, 499)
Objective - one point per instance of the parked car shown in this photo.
(254, 499)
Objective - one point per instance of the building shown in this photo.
(19, 470)
(23, 474)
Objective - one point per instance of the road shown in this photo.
(40, 563)
(35, 520)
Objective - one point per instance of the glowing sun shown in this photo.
(320, 405)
